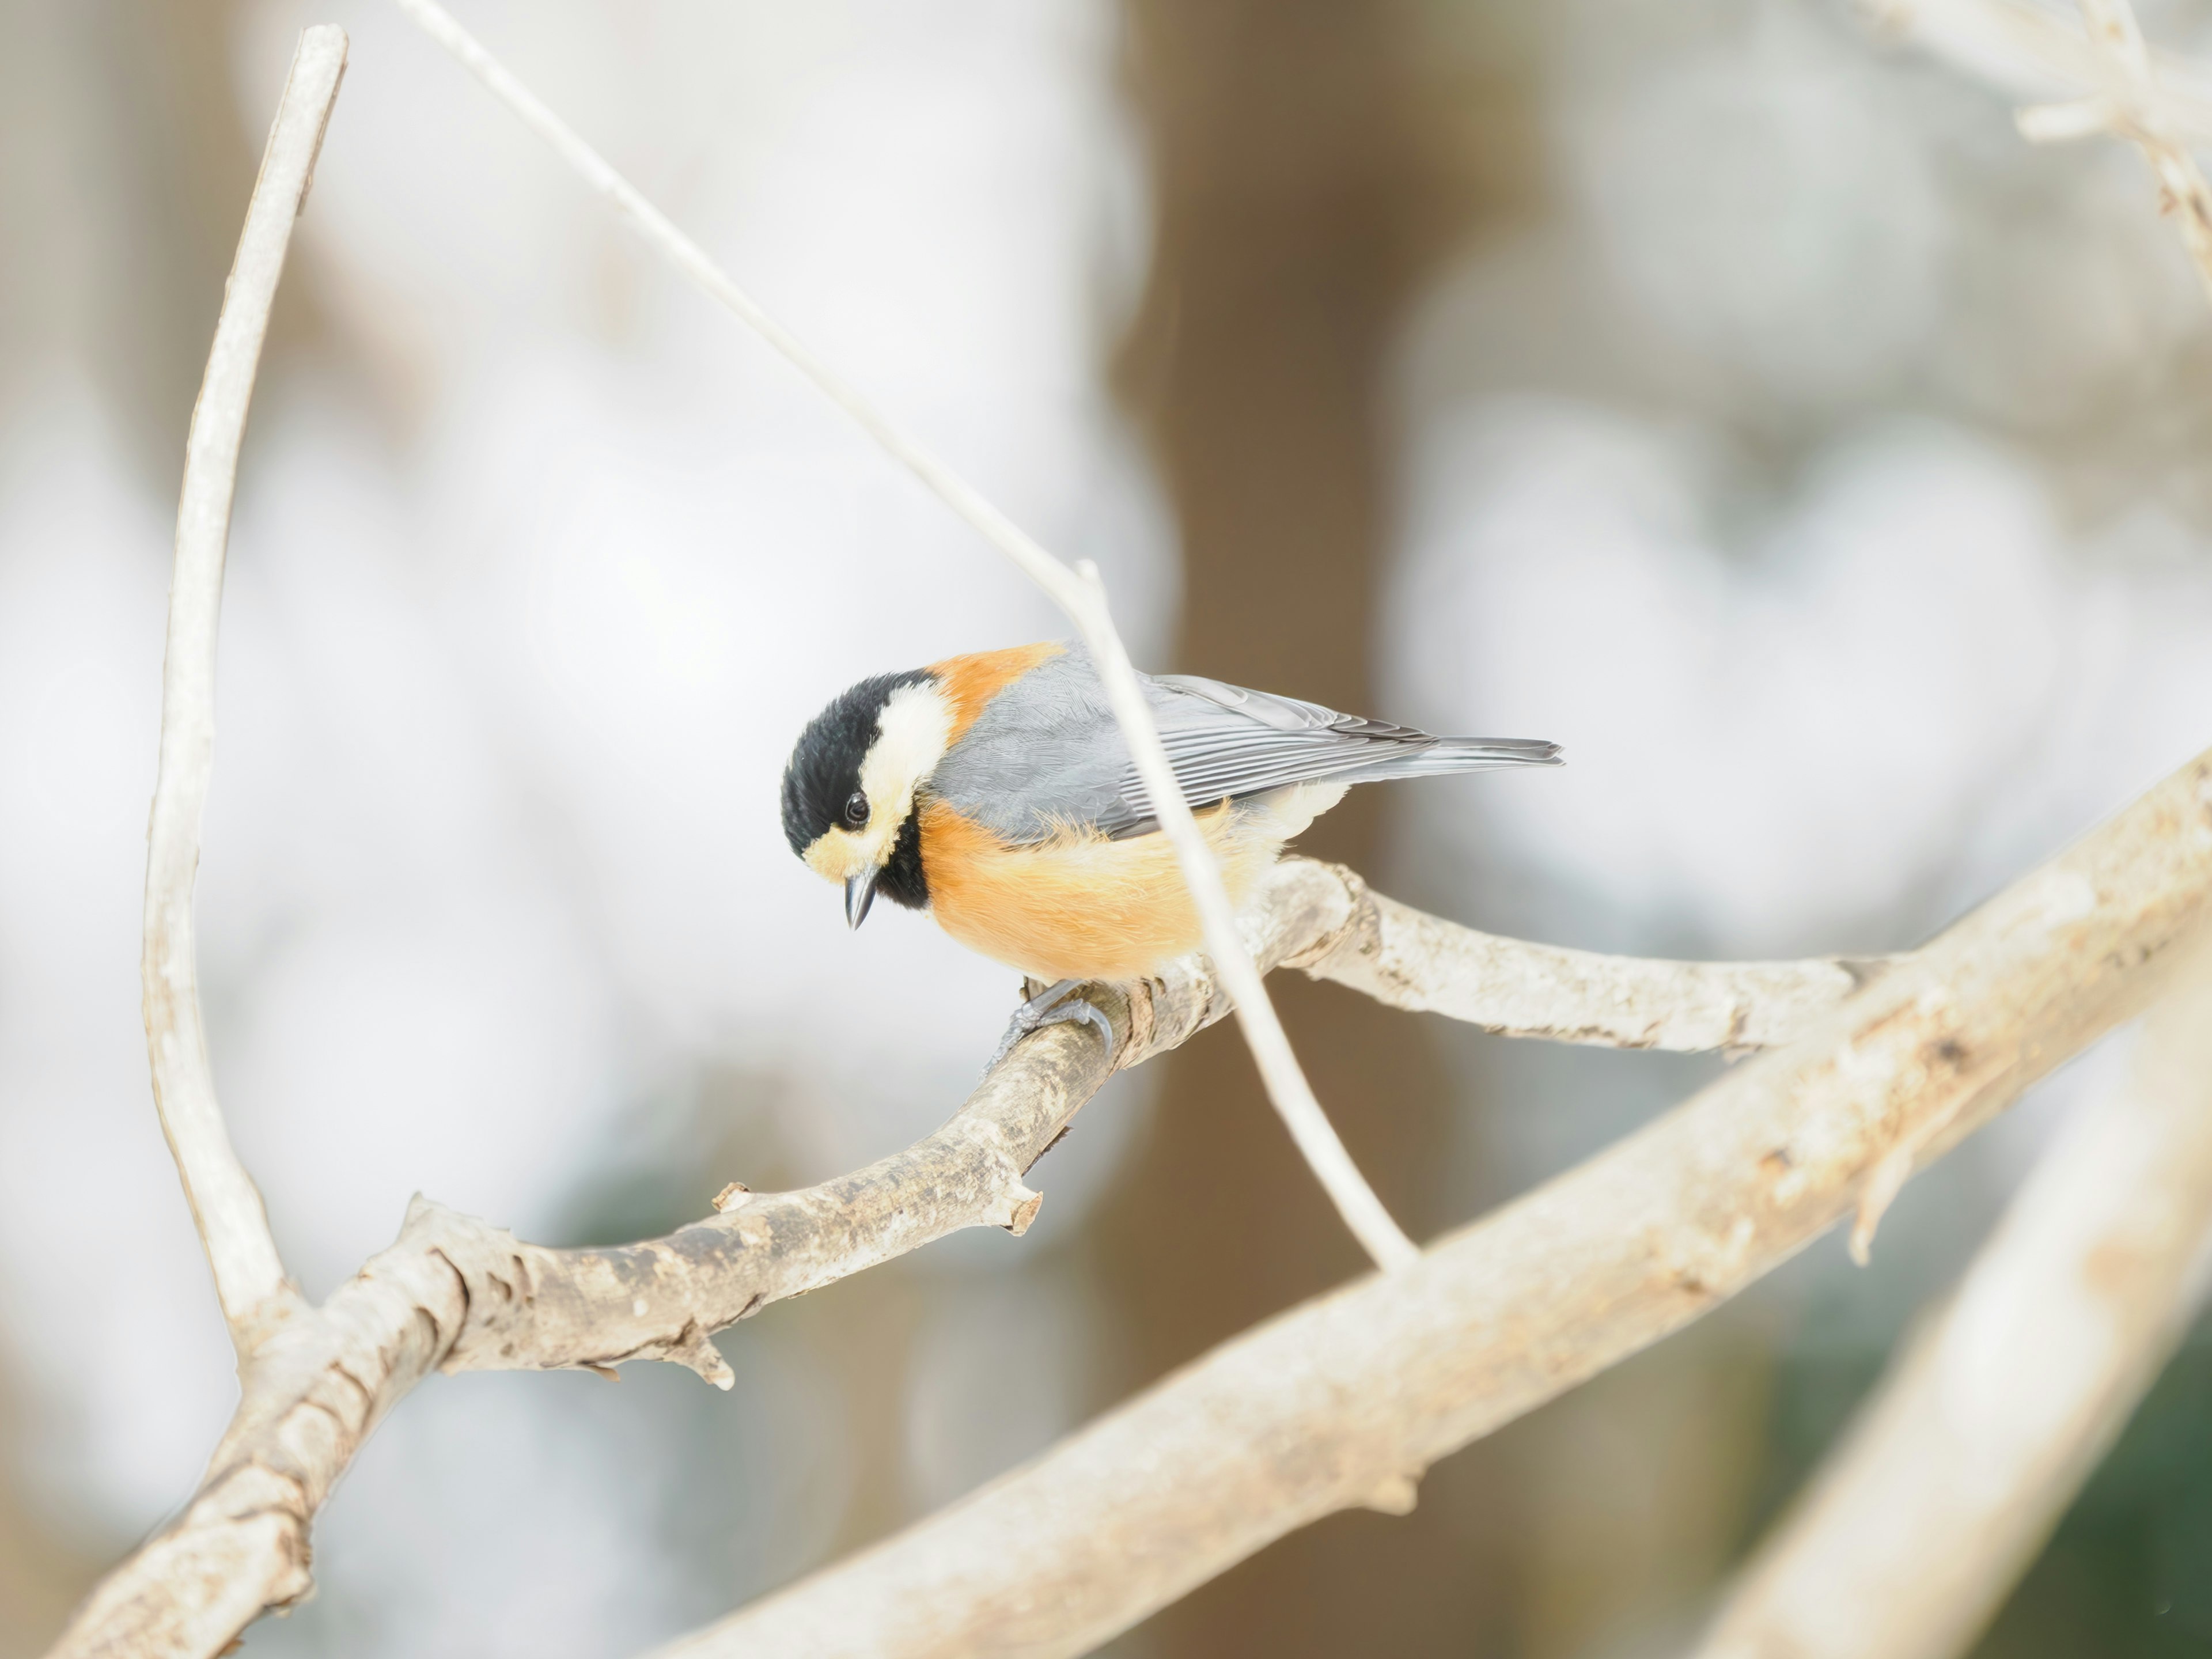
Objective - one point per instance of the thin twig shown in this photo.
(249, 1276)
(1078, 592)
(2025, 50)
(2124, 89)
(2138, 111)
(1910, 1539)
(1345, 1401)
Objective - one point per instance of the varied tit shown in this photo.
(995, 791)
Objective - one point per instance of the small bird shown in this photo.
(995, 791)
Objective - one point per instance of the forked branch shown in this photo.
(1345, 1401)
(456, 1294)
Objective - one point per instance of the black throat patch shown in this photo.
(903, 881)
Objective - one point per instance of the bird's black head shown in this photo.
(863, 739)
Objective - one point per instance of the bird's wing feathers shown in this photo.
(1046, 753)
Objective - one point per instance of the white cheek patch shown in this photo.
(912, 734)
(911, 737)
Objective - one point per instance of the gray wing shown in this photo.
(1046, 753)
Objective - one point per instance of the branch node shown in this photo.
(1396, 1496)
(1883, 1183)
(694, 1349)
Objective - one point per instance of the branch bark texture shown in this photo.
(1909, 1540)
(1345, 1401)
(1402, 957)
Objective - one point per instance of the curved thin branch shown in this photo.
(1907, 1543)
(1078, 592)
(1344, 1402)
(249, 1277)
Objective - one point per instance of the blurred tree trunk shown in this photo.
(128, 171)
(1297, 204)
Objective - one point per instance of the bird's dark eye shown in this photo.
(856, 809)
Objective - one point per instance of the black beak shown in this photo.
(859, 894)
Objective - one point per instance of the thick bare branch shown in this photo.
(249, 1278)
(1344, 1402)
(1078, 591)
(1907, 1543)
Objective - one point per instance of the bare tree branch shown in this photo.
(1345, 1401)
(2134, 106)
(2029, 51)
(1841, 1116)
(1907, 1542)
(2160, 103)
(249, 1278)
(1420, 962)
(1078, 592)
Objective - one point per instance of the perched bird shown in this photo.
(995, 791)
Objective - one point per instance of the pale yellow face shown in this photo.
(911, 736)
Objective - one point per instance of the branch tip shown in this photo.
(1398, 1495)
(1022, 1209)
(1883, 1183)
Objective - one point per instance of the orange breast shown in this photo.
(1080, 907)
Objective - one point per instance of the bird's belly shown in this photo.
(1082, 908)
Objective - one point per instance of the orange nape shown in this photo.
(1079, 906)
(968, 683)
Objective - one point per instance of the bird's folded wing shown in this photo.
(1225, 742)
(1046, 757)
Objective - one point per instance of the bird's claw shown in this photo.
(1056, 1004)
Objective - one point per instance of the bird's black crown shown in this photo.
(825, 767)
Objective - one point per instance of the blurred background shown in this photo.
(1713, 386)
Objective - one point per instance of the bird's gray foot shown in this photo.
(1053, 1006)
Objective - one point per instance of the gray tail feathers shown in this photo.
(1444, 755)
